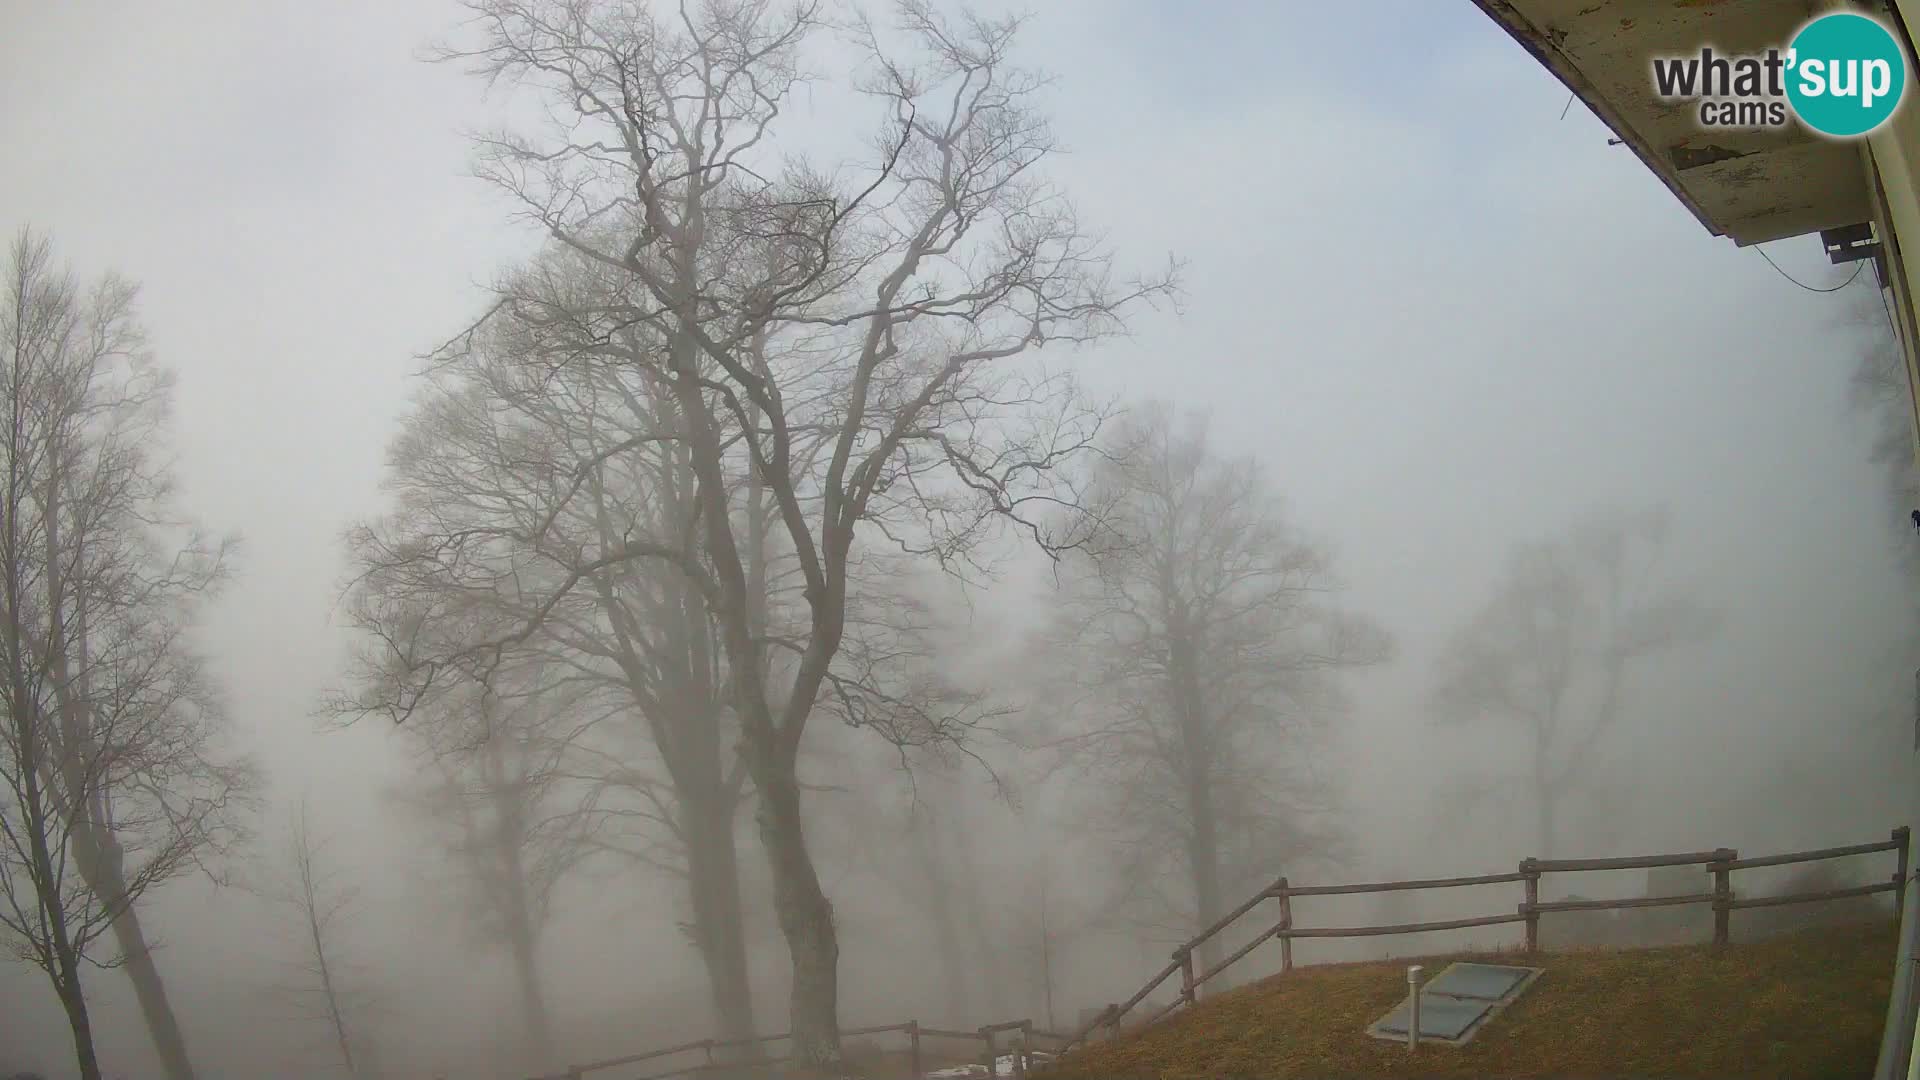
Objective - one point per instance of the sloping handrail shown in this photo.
(911, 1028)
(1721, 863)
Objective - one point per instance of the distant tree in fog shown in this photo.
(921, 843)
(768, 306)
(1883, 391)
(498, 765)
(1204, 653)
(1048, 921)
(497, 516)
(1870, 750)
(1883, 395)
(1551, 655)
(325, 989)
(114, 772)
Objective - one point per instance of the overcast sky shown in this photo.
(1443, 316)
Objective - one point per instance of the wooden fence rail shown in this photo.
(1721, 863)
(1022, 1049)
(1400, 886)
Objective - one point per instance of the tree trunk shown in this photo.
(1187, 699)
(1543, 798)
(336, 1020)
(65, 969)
(155, 1008)
(1203, 858)
(685, 724)
(66, 957)
(946, 927)
(806, 918)
(533, 1000)
(989, 965)
(76, 1005)
(1046, 959)
(724, 915)
(109, 885)
(509, 837)
(64, 972)
(29, 717)
(713, 864)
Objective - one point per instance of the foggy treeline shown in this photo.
(770, 620)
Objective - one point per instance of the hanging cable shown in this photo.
(1810, 288)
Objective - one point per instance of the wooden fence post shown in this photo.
(1113, 1020)
(993, 1061)
(913, 1048)
(1020, 1063)
(1723, 894)
(1185, 956)
(1900, 878)
(1286, 926)
(1531, 869)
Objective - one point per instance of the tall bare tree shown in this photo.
(494, 506)
(324, 991)
(1552, 652)
(112, 756)
(1206, 653)
(869, 312)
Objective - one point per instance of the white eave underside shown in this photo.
(1751, 186)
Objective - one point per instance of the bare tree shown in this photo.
(324, 992)
(493, 507)
(1882, 389)
(1205, 656)
(928, 863)
(1552, 652)
(1048, 923)
(867, 313)
(943, 890)
(112, 752)
(498, 773)
(493, 511)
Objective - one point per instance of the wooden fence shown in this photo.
(1022, 1035)
(1721, 863)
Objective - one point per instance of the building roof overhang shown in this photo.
(1751, 185)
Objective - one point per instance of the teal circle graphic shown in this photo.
(1846, 74)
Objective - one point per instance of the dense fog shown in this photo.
(1136, 451)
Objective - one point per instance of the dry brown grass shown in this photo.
(1806, 1005)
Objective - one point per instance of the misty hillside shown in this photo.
(1674, 1011)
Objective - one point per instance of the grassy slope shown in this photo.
(1809, 1005)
